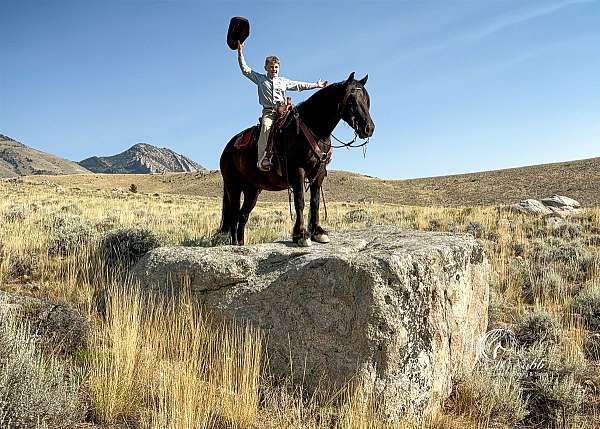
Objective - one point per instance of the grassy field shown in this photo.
(577, 179)
(178, 367)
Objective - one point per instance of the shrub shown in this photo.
(358, 215)
(59, 219)
(490, 397)
(133, 188)
(21, 265)
(140, 213)
(221, 239)
(593, 240)
(35, 391)
(69, 236)
(552, 392)
(542, 284)
(518, 249)
(577, 261)
(126, 246)
(552, 398)
(591, 347)
(108, 223)
(587, 304)
(537, 328)
(14, 213)
(452, 227)
(568, 230)
(493, 236)
(476, 229)
(434, 225)
(71, 208)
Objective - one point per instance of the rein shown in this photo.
(350, 144)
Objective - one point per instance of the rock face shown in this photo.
(399, 310)
(16, 159)
(562, 206)
(142, 158)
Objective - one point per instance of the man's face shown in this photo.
(273, 69)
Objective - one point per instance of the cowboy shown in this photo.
(271, 93)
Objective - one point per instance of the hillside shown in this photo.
(577, 179)
(142, 158)
(16, 159)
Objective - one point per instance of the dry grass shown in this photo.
(166, 364)
(578, 179)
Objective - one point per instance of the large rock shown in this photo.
(557, 204)
(399, 310)
(561, 205)
(531, 206)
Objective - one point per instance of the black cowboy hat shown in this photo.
(239, 29)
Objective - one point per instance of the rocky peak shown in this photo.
(142, 158)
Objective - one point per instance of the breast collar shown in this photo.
(312, 141)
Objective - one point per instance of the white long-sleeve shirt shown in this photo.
(271, 91)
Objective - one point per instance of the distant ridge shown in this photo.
(142, 158)
(17, 159)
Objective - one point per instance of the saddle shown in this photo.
(249, 137)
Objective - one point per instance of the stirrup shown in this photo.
(265, 164)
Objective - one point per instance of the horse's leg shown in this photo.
(300, 234)
(317, 233)
(225, 213)
(250, 198)
(234, 193)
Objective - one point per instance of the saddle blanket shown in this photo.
(246, 139)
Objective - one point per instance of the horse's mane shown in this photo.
(323, 93)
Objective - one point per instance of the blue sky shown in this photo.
(455, 86)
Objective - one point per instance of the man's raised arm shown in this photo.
(247, 71)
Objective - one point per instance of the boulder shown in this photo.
(531, 206)
(556, 204)
(401, 311)
(560, 202)
(563, 206)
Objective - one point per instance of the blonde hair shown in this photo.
(270, 59)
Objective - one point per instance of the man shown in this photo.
(271, 93)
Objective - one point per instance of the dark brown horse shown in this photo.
(348, 101)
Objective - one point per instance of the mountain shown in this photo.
(142, 158)
(576, 179)
(16, 159)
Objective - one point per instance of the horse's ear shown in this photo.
(363, 81)
(350, 78)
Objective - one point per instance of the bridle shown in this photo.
(350, 144)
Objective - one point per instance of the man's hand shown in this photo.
(321, 83)
(240, 46)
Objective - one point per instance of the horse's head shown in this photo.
(355, 106)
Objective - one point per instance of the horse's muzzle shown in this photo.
(366, 131)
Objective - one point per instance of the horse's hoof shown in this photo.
(304, 242)
(320, 238)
